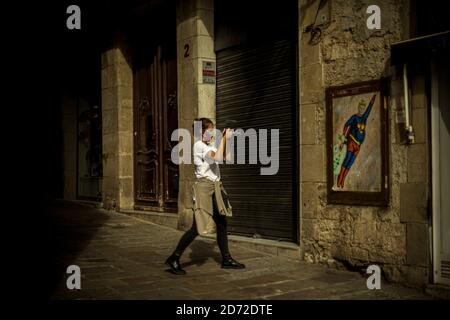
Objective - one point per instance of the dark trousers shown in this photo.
(192, 233)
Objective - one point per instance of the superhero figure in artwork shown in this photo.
(354, 134)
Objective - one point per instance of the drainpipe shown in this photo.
(408, 126)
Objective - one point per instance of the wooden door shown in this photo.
(155, 117)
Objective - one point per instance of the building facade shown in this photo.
(151, 67)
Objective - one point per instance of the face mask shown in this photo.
(209, 135)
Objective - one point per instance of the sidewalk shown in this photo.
(122, 257)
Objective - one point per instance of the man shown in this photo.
(209, 206)
(354, 134)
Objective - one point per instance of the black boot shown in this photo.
(229, 263)
(174, 263)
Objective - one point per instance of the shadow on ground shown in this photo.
(67, 229)
(202, 252)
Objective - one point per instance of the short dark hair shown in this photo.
(206, 122)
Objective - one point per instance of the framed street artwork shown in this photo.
(357, 144)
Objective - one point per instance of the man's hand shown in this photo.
(227, 133)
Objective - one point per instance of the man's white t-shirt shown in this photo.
(205, 167)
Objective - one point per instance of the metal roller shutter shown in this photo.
(256, 87)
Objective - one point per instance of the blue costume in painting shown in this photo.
(354, 133)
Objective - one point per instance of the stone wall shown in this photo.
(395, 236)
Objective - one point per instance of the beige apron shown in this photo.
(203, 190)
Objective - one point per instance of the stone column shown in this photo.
(69, 125)
(414, 193)
(117, 115)
(195, 44)
(312, 139)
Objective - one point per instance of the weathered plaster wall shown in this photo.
(349, 52)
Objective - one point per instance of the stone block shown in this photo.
(109, 187)
(188, 91)
(207, 101)
(418, 94)
(187, 25)
(308, 123)
(124, 96)
(189, 72)
(360, 233)
(185, 219)
(109, 99)
(333, 214)
(107, 58)
(109, 121)
(185, 47)
(341, 252)
(309, 197)
(311, 87)
(413, 202)
(417, 163)
(125, 120)
(126, 103)
(187, 172)
(417, 244)
(312, 163)
(359, 254)
(391, 240)
(416, 276)
(109, 145)
(109, 165)
(126, 139)
(204, 48)
(309, 54)
(372, 233)
(308, 228)
(126, 193)
(108, 77)
(125, 165)
(124, 75)
(419, 122)
(186, 194)
(309, 214)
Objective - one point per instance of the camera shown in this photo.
(230, 124)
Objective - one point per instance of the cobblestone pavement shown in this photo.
(122, 257)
